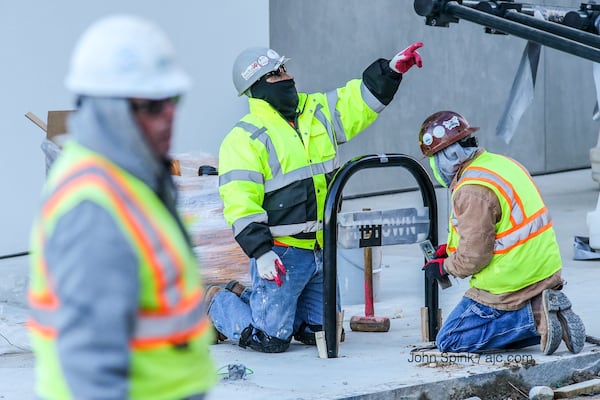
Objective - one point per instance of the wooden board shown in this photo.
(577, 389)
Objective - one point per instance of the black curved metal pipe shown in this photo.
(332, 205)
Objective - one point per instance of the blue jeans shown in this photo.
(473, 327)
(277, 311)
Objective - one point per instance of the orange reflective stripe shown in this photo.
(180, 337)
(135, 197)
(166, 244)
(173, 321)
(135, 230)
(511, 198)
(46, 300)
(534, 226)
(527, 221)
(42, 330)
(183, 306)
(158, 326)
(522, 227)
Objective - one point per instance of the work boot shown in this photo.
(546, 321)
(235, 287)
(309, 338)
(573, 330)
(208, 297)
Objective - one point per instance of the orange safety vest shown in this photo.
(170, 310)
(525, 248)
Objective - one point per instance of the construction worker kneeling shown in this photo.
(274, 168)
(501, 235)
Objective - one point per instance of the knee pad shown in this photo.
(259, 341)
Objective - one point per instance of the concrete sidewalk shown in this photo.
(382, 365)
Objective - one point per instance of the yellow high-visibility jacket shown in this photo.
(273, 175)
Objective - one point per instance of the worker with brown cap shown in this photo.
(500, 235)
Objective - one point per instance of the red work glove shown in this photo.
(440, 251)
(270, 267)
(280, 271)
(434, 269)
(408, 57)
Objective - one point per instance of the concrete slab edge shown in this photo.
(548, 374)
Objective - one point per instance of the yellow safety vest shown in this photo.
(170, 313)
(525, 248)
(277, 175)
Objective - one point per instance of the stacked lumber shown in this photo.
(219, 256)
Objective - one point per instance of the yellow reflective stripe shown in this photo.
(372, 101)
(323, 120)
(241, 175)
(340, 134)
(261, 135)
(294, 229)
(241, 223)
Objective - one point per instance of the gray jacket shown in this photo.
(94, 268)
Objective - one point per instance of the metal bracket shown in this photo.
(370, 236)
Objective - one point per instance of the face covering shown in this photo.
(446, 163)
(282, 95)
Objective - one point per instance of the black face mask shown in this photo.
(282, 95)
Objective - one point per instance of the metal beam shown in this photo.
(554, 28)
(454, 9)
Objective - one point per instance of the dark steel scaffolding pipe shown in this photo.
(567, 32)
(332, 205)
(523, 31)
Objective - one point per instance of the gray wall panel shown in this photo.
(569, 106)
(37, 38)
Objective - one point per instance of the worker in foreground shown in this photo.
(274, 168)
(116, 302)
(501, 235)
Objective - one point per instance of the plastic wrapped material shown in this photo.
(51, 151)
(220, 257)
(582, 249)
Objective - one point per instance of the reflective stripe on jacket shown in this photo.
(169, 357)
(525, 247)
(273, 174)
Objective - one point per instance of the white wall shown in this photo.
(36, 39)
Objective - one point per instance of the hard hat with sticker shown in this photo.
(442, 129)
(252, 64)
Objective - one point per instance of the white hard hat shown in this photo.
(252, 64)
(125, 56)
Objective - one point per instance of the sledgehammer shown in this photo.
(369, 323)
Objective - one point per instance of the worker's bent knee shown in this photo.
(447, 343)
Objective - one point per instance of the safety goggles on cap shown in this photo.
(278, 72)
